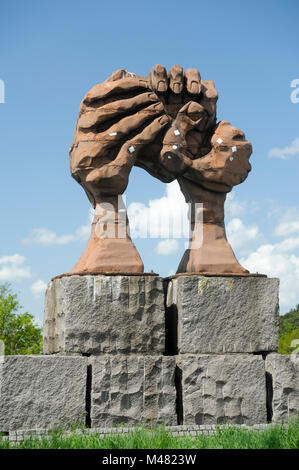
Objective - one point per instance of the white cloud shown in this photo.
(239, 234)
(233, 206)
(288, 221)
(13, 268)
(283, 153)
(166, 217)
(167, 247)
(38, 288)
(82, 233)
(13, 259)
(289, 244)
(287, 228)
(273, 261)
(43, 236)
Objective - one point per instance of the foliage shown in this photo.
(288, 331)
(18, 330)
(278, 436)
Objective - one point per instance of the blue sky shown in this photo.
(52, 53)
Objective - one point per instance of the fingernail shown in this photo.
(194, 87)
(163, 120)
(177, 87)
(153, 96)
(159, 107)
(161, 86)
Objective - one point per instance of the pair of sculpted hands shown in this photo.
(164, 123)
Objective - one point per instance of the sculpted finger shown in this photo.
(193, 81)
(121, 73)
(117, 75)
(117, 172)
(150, 132)
(86, 154)
(209, 98)
(158, 78)
(209, 89)
(176, 79)
(122, 128)
(111, 110)
(106, 89)
(186, 134)
(175, 156)
(191, 116)
(129, 124)
(130, 150)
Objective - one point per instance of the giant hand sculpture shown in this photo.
(165, 124)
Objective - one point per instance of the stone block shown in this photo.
(222, 389)
(133, 390)
(42, 391)
(223, 314)
(283, 381)
(105, 314)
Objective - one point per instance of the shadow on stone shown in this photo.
(179, 395)
(269, 396)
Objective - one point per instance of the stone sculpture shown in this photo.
(166, 124)
(197, 348)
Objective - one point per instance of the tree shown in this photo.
(18, 331)
(288, 330)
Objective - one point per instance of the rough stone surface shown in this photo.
(224, 314)
(283, 375)
(132, 390)
(105, 314)
(41, 391)
(223, 389)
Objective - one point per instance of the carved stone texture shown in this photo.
(133, 390)
(224, 314)
(283, 379)
(105, 314)
(42, 391)
(166, 124)
(223, 389)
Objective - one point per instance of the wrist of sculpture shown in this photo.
(209, 251)
(110, 248)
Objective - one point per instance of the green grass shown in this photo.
(275, 437)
